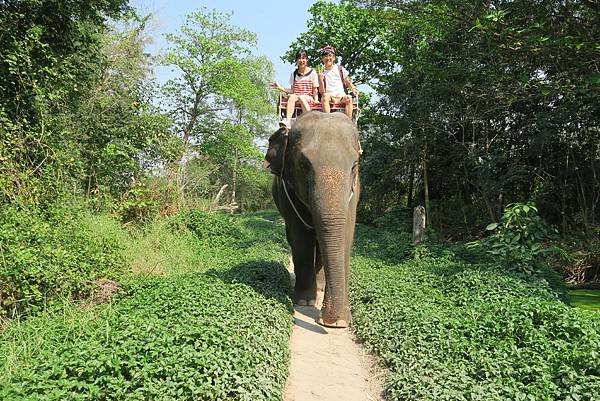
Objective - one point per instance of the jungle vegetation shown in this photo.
(485, 112)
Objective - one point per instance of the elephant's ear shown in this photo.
(276, 151)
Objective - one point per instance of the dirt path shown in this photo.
(327, 365)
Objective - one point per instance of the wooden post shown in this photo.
(426, 183)
(418, 225)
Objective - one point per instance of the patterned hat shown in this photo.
(327, 50)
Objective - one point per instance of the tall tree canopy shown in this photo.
(51, 55)
(219, 101)
(481, 104)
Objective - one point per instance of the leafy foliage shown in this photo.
(357, 34)
(480, 105)
(50, 56)
(215, 327)
(518, 238)
(169, 339)
(50, 256)
(220, 102)
(449, 328)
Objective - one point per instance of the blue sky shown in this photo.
(277, 24)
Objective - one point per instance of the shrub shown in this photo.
(517, 239)
(213, 227)
(452, 327)
(215, 326)
(51, 254)
(185, 337)
(579, 261)
(161, 247)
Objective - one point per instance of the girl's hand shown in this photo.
(274, 85)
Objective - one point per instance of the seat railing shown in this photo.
(336, 107)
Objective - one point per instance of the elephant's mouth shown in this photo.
(266, 164)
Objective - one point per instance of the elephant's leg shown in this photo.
(303, 245)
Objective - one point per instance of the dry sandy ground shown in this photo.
(327, 364)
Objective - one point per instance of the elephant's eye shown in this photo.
(304, 164)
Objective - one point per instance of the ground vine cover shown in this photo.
(452, 325)
(219, 331)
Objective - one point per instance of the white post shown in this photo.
(418, 225)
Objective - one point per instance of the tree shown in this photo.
(359, 35)
(480, 104)
(120, 133)
(502, 98)
(220, 102)
(50, 55)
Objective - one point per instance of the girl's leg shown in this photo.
(305, 102)
(348, 106)
(325, 103)
(291, 105)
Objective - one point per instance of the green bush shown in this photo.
(226, 230)
(47, 255)
(212, 227)
(451, 326)
(517, 239)
(161, 247)
(579, 259)
(382, 244)
(186, 337)
(215, 326)
(397, 218)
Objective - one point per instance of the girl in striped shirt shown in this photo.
(304, 85)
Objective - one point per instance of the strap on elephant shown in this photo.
(283, 182)
(293, 206)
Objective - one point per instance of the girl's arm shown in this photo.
(321, 84)
(275, 85)
(350, 85)
(315, 82)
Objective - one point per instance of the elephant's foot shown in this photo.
(305, 297)
(340, 321)
(338, 324)
(306, 302)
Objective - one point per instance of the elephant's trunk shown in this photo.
(331, 224)
(335, 311)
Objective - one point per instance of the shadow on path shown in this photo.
(266, 277)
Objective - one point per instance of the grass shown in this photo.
(212, 321)
(206, 314)
(585, 299)
(451, 324)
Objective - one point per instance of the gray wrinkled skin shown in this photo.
(318, 160)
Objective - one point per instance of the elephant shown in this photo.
(316, 188)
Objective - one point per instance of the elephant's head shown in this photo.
(318, 165)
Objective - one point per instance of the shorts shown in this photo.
(339, 99)
(308, 98)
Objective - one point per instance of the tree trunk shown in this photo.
(411, 180)
(235, 164)
(234, 178)
(426, 189)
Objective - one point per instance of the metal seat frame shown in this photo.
(337, 107)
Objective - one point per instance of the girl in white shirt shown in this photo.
(332, 82)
